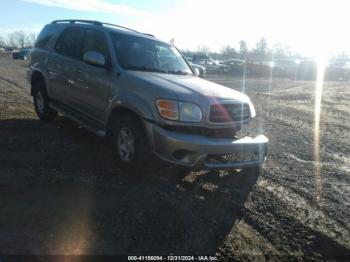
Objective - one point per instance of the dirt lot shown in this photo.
(61, 193)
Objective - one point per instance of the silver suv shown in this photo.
(141, 94)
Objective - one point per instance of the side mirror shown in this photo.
(95, 59)
(196, 71)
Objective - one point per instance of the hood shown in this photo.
(190, 88)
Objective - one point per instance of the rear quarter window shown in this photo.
(45, 36)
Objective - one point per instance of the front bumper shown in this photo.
(194, 151)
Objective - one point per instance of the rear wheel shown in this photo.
(41, 103)
(130, 144)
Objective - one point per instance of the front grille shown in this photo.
(212, 133)
(221, 113)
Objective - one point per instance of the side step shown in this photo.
(83, 120)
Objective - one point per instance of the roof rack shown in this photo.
(93, 22)
(72, 21)
(148, 34)
(123, 27)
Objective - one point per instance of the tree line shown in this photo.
(261, 52)
(17, 39)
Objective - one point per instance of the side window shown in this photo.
(45, 36)
(165, 56)
(95, 41)
(69, 44)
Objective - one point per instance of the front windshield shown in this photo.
(137, 53)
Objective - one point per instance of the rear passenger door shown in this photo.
(92, 86)
(62, 63)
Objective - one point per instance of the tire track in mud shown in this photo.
(290, 169)
(305, 211)
(9, 81)
(15, 99)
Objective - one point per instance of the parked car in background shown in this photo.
(236, 66)
(8, 49)
(201, 69)
(211, 65)
(21, 53)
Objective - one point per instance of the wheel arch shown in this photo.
(116, 113)
(37, 76)
(128, 103)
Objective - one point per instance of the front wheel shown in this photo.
(130, 144)
(41, 103)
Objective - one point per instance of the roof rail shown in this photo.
(148, 34)
(123, 27)
(77, 21)
(96, 23)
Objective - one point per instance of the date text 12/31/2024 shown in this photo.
(172, 258)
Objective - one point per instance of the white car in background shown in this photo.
(200, 69)
(212, 65)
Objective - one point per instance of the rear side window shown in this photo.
(45, 35)
(95, 41)
(69, 43)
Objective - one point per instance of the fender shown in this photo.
(37, 67)
(132, 102)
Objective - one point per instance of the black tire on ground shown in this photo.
(254, 169)
(41, 103)
(130, 144)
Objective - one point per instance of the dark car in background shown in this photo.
(21, 53)
(236, 66)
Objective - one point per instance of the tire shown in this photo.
(257, 169)
(41, 103)
(130, 144)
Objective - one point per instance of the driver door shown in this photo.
(93, 84)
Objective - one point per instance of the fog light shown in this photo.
(185, 156)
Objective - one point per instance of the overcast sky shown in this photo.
(308, 26)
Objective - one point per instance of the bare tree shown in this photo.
(203, 49)
(17, 39)
(243, 50)
(228, 52)
(278, 51)
(2, 42)
(261, 49)
(30, 40)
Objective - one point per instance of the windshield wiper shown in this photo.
(143, 68)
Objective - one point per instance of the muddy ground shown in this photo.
(62, 193)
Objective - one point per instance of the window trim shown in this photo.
(108, 58)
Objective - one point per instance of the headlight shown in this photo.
(190, 112)
(182, 111)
